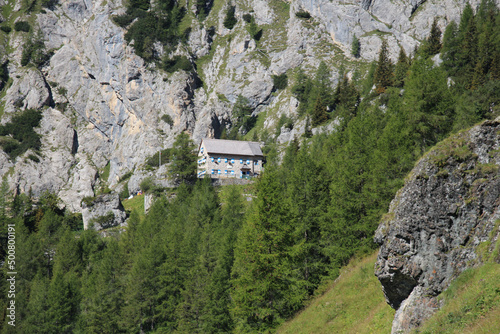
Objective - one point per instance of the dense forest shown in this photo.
(208, 260)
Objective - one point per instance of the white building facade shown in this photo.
(220, 158)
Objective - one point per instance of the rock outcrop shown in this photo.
(449, 206)
(103, 211)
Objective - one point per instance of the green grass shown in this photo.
(354, 304)
(135, 203)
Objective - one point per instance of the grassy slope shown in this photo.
(471, 304)
(354, 304)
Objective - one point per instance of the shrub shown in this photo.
(247, 18)
(105, 221)
(88, 201)
(230, 19)
(23, 136)
(356, 47)
(74, 221)
(123, 20)
(280, 81)
(126, 176)
(303, 15)
(22, 26)
(124, 193)
(34, 51)
(167, 119)
(154, 160)
(146, 185)
(6, 29)
(62, 91)
(176, 63)
(34, 158)
(254, 31)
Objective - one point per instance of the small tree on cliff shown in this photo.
(183, 163)
(383, 76)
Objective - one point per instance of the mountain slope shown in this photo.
(104, 105)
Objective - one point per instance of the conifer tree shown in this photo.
(356, 47)
(230, 19)
(383, 76)
(319, 114)
(401, 69)
(264, 292)
(450, 49)
(433, 42)
(468, 54)
(183, 163)
(427, 102)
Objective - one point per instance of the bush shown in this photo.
(34, 51)
(34, 158)
(123, 20)
(254, 31)
(22, 135)
(303, 14)
(146, 185)
(167, 119)
(126, 176)
(74, 221)
(247, 18)
(22, 26)
(124, 193)
(88, 201)
(177, 63)
(105, 221)
(6, 29)
(280, 81)
(356, 47)
(154, 160)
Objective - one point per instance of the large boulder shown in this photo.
(449, 206)
(103, 211)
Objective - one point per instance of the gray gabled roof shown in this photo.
(236, 147)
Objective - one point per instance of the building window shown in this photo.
(256, 162)
(248, 162)
(232, 172)
(213, 159)
(202, 150)
(232, 160)
(220, 172)
(241, 161)
(213, 171)
(225, 160)
(218, 159)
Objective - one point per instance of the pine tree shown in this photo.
(401, 69)
(468, 54)
(318, 114)
(427, 102)
(433, 42)
(230, 19)
(450, 49)
(356, 47)
(383, 76)
(264, 292)
(183, 163)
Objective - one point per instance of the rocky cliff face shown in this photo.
(103, 105)
(443, 221)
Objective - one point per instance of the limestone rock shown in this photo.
(103, 211)
(29, 91)
(447, 208)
